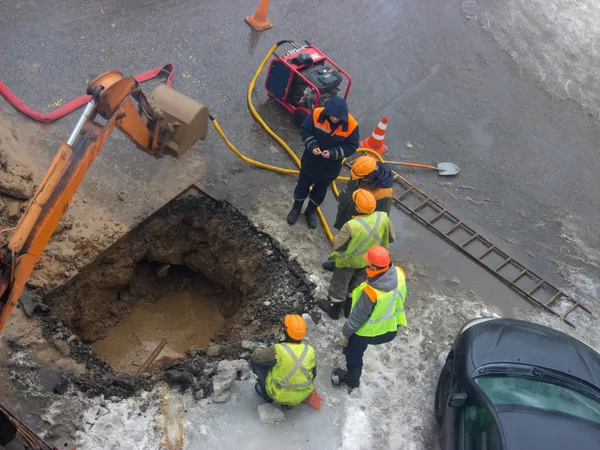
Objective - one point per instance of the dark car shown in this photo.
(514, 385)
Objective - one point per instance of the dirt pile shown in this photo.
(16, 178)
(194, 244)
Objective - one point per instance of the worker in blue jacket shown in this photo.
(330, 134)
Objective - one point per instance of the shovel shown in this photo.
(444, 169)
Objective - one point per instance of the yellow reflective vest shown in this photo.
(290, 381)
(367, 231)
(388, 312)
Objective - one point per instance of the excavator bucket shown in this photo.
(183, 120)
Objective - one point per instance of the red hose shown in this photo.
(78, 102)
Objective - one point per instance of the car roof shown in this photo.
(529, 428)
(520, 342)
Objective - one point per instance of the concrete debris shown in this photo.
(252, 345)
(194, 351)
(58, 336)
(205, 401)
(102, 412)
(125, 382)
(14, 209)
(213, 350)
(180, 377)
(244, 355)
(115, 399)
(30, 303)
(239, 366)
(223, 381)
(199, 394)
(221, 398)
(269, 413)
(62, 347)
(71, 338)
(15, 186)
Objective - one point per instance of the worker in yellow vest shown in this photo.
(377, 312)
(286, 370)
(366, 229)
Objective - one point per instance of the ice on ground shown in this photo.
(392, 409)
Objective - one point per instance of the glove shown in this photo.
(343, 340)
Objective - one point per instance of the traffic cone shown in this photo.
(259, 20)
(376, 140)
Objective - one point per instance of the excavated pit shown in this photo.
(196, 273)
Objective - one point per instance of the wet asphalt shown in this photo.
(528, 161)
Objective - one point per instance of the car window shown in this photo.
(479, 429)
(506, 390)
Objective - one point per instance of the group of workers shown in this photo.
(365, 283)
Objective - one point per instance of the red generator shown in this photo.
(304, 78)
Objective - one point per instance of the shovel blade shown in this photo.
(447, 169)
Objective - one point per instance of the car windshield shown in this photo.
(507, 390)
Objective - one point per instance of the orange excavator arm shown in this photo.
(169, 124)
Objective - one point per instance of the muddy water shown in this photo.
(184, 319)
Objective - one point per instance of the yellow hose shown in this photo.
(280, 142)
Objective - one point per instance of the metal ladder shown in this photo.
(436, 217)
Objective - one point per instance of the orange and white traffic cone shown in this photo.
(259, 20)
(376, 140)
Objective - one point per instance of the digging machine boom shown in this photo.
(167, 124)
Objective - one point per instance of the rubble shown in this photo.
(213, 350)
(223, 381)
(239, 366)
(14, 209)
(62, 347)
(252, 345)
(180, 377)
(269, 413)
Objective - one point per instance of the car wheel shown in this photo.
(442, 390)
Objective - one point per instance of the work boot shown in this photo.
(295, 212)
(347, 307)
(311, 215)
(332, 309)
(329, 266)
(262, 393)
(350, 378)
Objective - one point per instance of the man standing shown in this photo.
(329, 134)
(366, 229)
(371, 175)
(377, 311)
(286, 371)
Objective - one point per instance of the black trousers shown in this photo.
(261, 371)
(357, 345)
(319, 187)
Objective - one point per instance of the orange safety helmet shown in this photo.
(378, 256)
(365, 201)
(363, 166)
(295, 326)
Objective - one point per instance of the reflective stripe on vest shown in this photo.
(326, 127)
(298, 365)
(388, 312)
(367, 231)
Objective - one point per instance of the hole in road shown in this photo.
(196, 272)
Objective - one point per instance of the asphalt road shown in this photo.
(528, 159)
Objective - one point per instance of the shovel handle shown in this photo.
(420, 166)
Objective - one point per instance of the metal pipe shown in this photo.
(84, 117)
